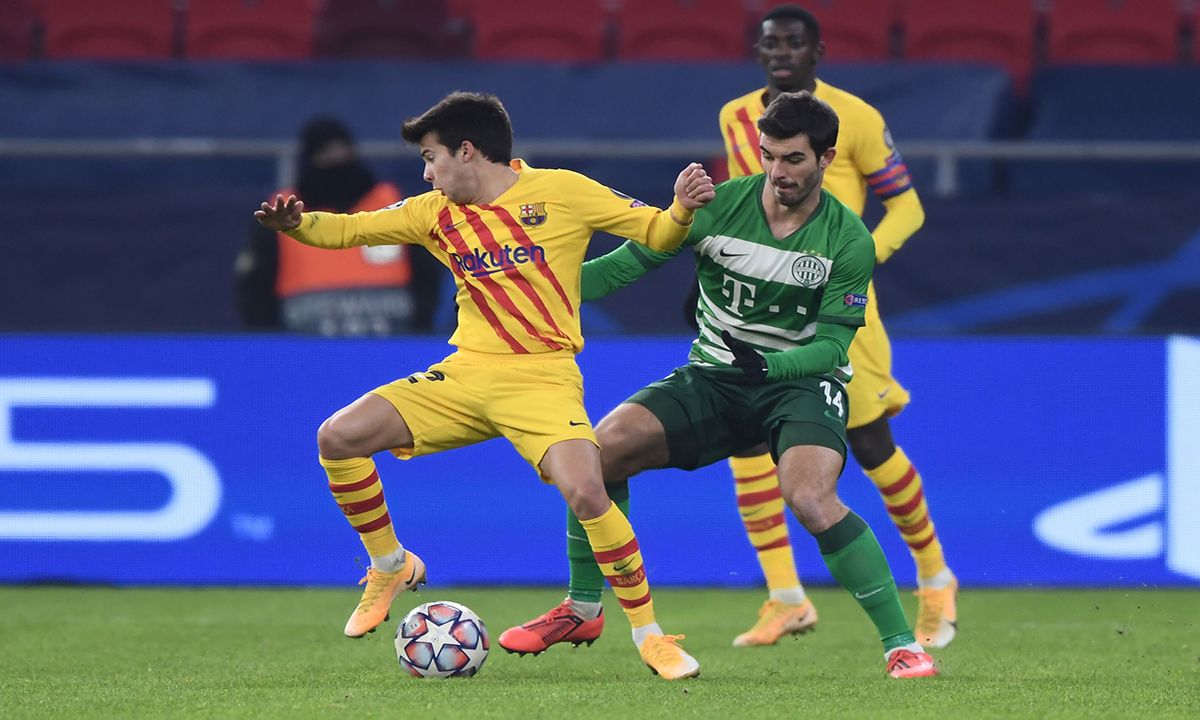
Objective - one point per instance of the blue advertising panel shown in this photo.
(193, 461)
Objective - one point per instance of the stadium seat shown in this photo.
(563, 30)
(853, 30)
(999, 32)
(89, 29)
(381, 28)
(249, 29)
(1118, 32)
(16, 29)
(682, 30)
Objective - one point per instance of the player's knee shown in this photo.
(335, 440)
(586, 501)
(805, 504)
(872, 443)
(815, 506)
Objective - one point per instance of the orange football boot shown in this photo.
(382, 588)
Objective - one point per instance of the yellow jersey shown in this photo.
(516, 261)
(866, 156)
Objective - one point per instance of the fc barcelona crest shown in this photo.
(533, 214)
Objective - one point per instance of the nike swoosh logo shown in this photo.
(861, 596)
(722, 253)
(620, 566)
(835, 418)
(572, 423)
(882, 394)
(411, 575)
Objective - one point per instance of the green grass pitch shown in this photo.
(278, 653)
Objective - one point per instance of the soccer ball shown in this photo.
(441, 639)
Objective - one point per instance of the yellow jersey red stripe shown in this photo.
(866, 156)
(542, 267)
(489, 241)
(516, 259)
(481, 304)
(485, 281)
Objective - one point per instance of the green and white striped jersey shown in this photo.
(772, 293)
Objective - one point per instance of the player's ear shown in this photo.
(818, 52)
(827, 157)
(467, 150)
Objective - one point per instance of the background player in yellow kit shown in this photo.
(514, 237)
(789, 49)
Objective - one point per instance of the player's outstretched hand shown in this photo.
(694, 188)
(282, 216)
(746, 358)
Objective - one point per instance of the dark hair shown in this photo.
(799, 113)
(478, 117)
(794, 12)
(319, 132)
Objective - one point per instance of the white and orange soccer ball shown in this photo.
(442, 639)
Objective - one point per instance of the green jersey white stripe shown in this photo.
(769, 292)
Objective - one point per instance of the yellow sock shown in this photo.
(359, 493)
(761, 506)
(900, 486)
(617, 553)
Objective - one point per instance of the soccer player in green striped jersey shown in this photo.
(783, 269)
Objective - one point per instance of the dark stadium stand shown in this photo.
(143, 29)
(250, 29)
(562, 30)
(1017, 35)
(682, 30)
(385, 28)
(17, 19)
(1002, 34)
(1114, 32)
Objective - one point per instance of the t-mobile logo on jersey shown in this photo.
(740, 294)
(1100, 524)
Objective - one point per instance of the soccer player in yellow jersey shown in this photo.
(514, 238)
(789, 48)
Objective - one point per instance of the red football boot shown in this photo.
(559, 625)
(903, 663)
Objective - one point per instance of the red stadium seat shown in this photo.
(853, 30)
(1113, 31)
(1000, 32)
(566, 30)
(88, 29)
(249, 29)
(16, 29)
(682, 30)
(380, 28)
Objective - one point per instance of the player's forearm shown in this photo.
(623, 266)
(826, 353)
(903, 216)
(669, 228)
(328, 230)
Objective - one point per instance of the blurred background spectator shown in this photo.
(283, 284)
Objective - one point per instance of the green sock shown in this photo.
(856, 561)
(587, 582)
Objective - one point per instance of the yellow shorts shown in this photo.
(533, 400)
(873, 392)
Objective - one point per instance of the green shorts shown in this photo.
(711, 414)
